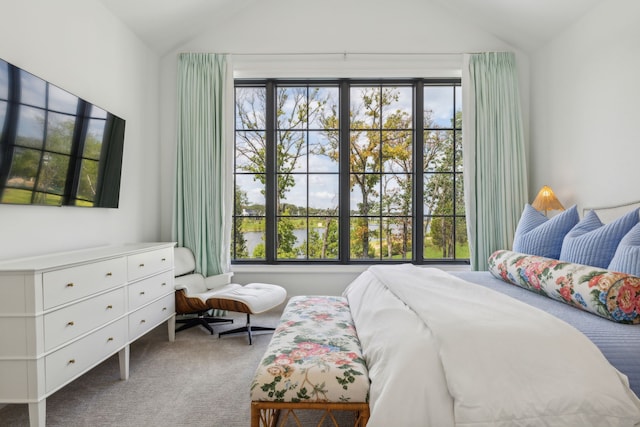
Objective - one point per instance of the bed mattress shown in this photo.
(620, 343)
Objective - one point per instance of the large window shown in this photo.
(348, 171)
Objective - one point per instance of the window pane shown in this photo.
(323, 238)
(250, 189)
(250, 108)
(459, 167)
(292, 232)
(460, 210)
(324, 108)
(396, 238)
(397, 107)
(365, 194)
(250, 151)
(462, 241)
(292, 151)
(365, 108)
(293, 195)
(396, 194)
(249, 238)
(438, 107)
(438, 194)
(323, 151)
(365, 151)
(292, 107)
(458, 90)
(397, 151)
(363, 238)
(323, 193)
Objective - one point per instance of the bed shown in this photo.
(469, 349)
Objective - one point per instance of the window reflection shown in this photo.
(55, 148)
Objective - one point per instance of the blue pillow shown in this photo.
(538, 235)
(594, 244)
(627, 256)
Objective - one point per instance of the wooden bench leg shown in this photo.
(264, 417)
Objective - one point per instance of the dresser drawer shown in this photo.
(146, 290)
(68, 284)
(147, 318)
(148, 263)
(70, 322)
(65, 364)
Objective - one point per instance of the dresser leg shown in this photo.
(123, 358)
(171, 324)
(38, 413)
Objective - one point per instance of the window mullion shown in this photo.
(345, 165)
(418, 175)
(271, 193)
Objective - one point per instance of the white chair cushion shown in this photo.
(259, 297)
(183, 261)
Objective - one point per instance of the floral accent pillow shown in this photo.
(609, 294)
(314, 355)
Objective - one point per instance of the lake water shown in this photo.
(254, 238)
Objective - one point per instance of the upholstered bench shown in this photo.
(314, 361)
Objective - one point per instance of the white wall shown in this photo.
(585, 138)
(285, 26)
(81, 47)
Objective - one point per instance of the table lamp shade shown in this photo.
(547, 201)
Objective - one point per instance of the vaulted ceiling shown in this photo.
(525, 24)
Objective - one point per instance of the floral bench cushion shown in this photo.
(314, 355)
(612, 295)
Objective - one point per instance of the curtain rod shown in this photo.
(345, 54)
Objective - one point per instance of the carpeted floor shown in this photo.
(198, 380)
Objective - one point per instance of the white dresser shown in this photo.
(63, 314)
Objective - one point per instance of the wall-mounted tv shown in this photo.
(55, 148)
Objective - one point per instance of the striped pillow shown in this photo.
(538, 235)
(594, 244)
(627, 256)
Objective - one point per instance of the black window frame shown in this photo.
(344, 84)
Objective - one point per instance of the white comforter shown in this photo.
(443, 352)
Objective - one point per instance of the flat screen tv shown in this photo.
(55, 148)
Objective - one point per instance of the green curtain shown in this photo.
(494, 153)
(202, 207)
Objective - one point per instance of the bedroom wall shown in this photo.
(585, 138)
(81, 47)
(283, 26)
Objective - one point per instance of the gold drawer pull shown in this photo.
(71, 362)
(143, 321)
(141, 265)
(142, 293)
(70, 323)
(164, 308)
(109, 307)
(109, 274)
(164, 284)
(110, 339)
(164, 259)
(69, 285)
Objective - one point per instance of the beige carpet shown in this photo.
(198, 380)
